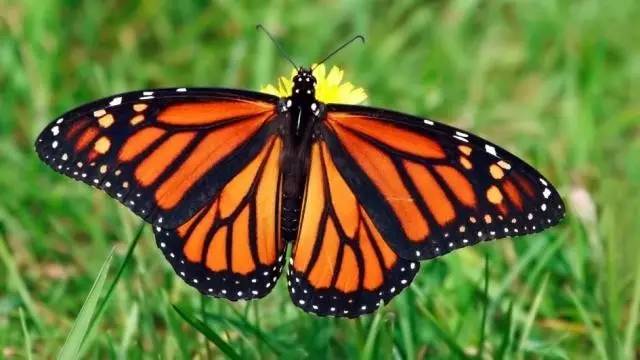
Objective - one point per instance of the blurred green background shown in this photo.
(556, 82)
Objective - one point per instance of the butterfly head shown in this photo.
(304, 84)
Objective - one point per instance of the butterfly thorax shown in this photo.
(302, 105)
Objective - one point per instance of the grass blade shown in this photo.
(16, 280)
(176, 332)
(483, 324)
(245, 327)
(531, 316)
(25, 332)
(506, 337)
(632, 325)
(79, 331)
(205, 330)
(102, 306)
(116, 279)
(203, 309)
(130, 328)
(586, 319)
(367, 352)
(443, 334)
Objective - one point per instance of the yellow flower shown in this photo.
(328, 89)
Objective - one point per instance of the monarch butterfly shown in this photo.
(230, 178)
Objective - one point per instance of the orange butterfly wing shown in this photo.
(162, 153)
(431, 188)
(232, 247)
(341, 265)
(201, 164)
(386, 190)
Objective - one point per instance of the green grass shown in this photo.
(556, 82)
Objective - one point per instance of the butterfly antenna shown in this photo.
(282, 52)
(357, 37)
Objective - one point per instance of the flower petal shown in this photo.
(335, 76)
(270, 89)
(328, 87)
(320, 72)
(358, 96)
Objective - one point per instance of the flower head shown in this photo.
(329, 88)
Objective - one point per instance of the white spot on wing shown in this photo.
(427, 121)
(181, 89)
(116, 101)
(490, 149)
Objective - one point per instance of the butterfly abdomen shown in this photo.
(290, 217)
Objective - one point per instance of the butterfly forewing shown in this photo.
(162, 153)
(431, 188)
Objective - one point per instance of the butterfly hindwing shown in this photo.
(431, 188)
(162, 153)
(232, 247)
(341, 265)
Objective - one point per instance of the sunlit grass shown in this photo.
(554, 81)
